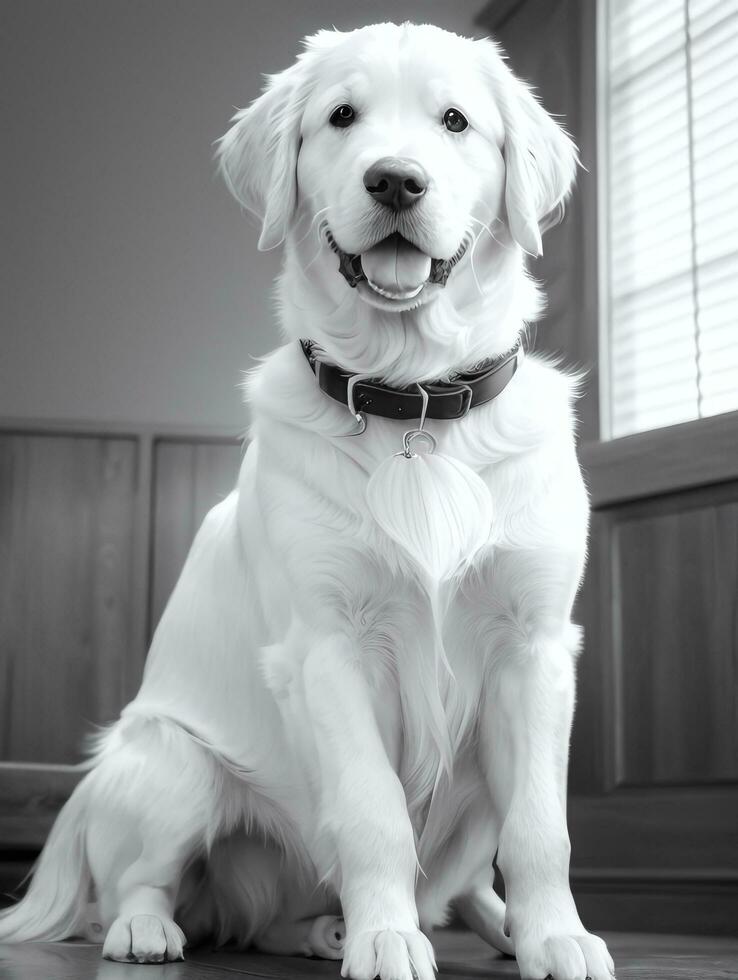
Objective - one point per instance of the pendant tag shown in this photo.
(407, 441)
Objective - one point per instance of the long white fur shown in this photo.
(325, 727)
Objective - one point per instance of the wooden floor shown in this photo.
(460, 956)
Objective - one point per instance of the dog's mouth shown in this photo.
(394, 268)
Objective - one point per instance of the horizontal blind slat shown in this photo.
(656, 144)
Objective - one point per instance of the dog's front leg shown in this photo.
(525, 732)
(363, 805)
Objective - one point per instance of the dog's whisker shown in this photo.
(322, 224)
(471, 264)
(488, 230)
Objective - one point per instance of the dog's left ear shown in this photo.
(540, 158)
(258, 155)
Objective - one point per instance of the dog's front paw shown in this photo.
(144, 939)
(388, 955)
(571, 955)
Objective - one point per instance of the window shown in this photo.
(669, 210)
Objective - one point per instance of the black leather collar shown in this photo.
(446, 399)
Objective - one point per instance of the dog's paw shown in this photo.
(144, 939)
(327, 937)
(563, 956)
(388, 955)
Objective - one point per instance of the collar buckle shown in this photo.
(466, 400)
(360, 417)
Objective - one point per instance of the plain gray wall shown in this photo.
(132, 289)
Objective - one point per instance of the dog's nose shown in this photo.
(396, 182)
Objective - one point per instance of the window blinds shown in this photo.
(670, 126)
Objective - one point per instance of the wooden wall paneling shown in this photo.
(592, 762)
(190, 477)
(659, 604)
(77, 514)
(679, 585)
(66, 525)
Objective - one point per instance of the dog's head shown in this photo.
(395, 149)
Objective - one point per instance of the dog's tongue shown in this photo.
(396, 265)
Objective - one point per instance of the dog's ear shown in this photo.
(258, 155)
(540, 158)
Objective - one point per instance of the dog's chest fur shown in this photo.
(319, 558)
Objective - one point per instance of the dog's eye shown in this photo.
(342, 116)
(455, 121)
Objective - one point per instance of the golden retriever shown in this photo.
(362, 688)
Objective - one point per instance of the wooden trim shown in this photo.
(642, 829)
(141, 559)
(684, 907)
(59, 769)
(638, 877)
(679, 457)
(703, 901)
(32, 795)
(14, 867)
(131, 430)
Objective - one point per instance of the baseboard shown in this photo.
(666, 904)
(14, 866)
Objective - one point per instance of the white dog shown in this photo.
(362, 687)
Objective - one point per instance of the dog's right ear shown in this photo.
(258, 155)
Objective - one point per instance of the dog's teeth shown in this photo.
(410, 294)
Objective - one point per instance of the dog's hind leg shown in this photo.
(323, 936)
(483, 911)
(462, 870)
(263, 899)
(143, 829)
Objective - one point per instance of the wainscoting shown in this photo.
(653, 808)
(94, 527)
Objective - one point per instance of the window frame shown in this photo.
(669, 458)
